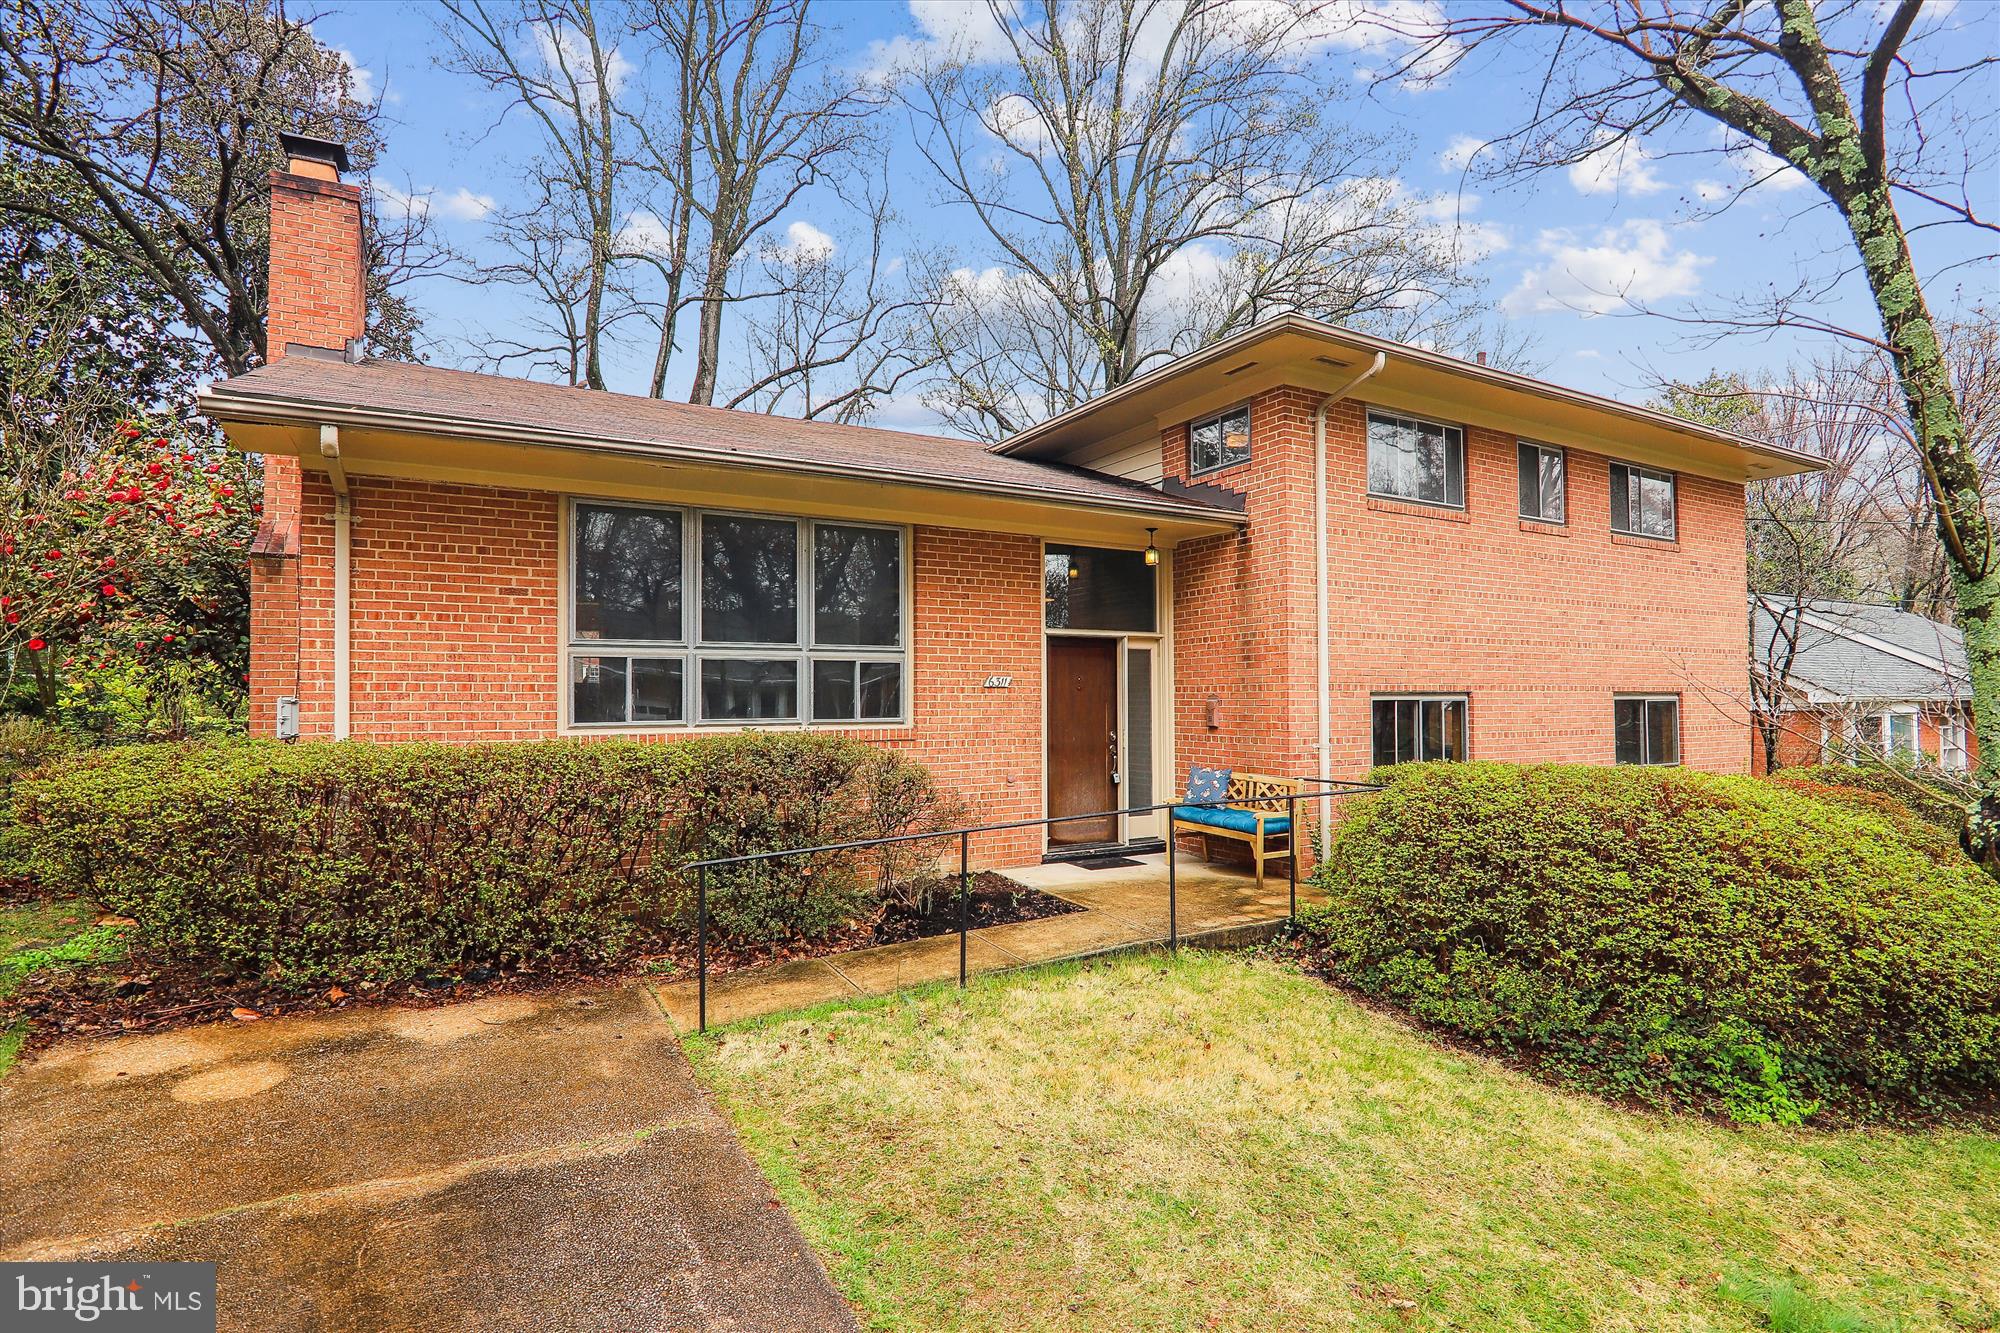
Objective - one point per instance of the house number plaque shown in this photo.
(999, 682)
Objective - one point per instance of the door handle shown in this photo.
(1113, 747)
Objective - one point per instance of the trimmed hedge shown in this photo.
(1672, 936)
(1926, 799)
(322, 861)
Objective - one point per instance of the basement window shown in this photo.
(1411, 729)
(1646, 729)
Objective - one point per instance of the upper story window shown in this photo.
(683, 615)
(1544, 480)
(1642, 501)
(1646, 730)
(1416, 460)
(1219, 442)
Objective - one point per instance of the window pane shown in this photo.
(597, 690)
(1621, 498)
(1112, 590)
(749, 580)
(857, 586)
(1529, 458)
(1406, 731)
(1205, 446)
(1454, 730)
(658, 689)
(1392, 458)
(1384, 728)
(1448, 442)
(1552, 484)
(1433, 740)
(1656, 506)
(1628, 724)
(1235, 427)
(749, 691)
(833, 691)
(881, 691)
(628, 574)
(1138, 726)
(1663, 731)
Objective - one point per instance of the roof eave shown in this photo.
(217, 403)
(1236, 344)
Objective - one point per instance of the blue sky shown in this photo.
(1558, 252)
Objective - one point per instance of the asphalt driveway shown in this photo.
(544, 1163)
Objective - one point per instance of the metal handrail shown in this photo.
(964, 836)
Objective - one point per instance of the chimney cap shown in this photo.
(305, 146)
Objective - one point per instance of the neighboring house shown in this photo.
(1298, 551)
(1847, 679)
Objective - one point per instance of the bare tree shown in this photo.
(1879, 111)
(836, 337)
(1153, 175)
(557, 63)
(769, 118)
(164, 116)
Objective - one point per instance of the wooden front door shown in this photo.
(1083, 738)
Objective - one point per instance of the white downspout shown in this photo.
(343, 562)
(1322, 614)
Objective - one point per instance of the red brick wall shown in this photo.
(1539, 625)
(317, 299)
(455, 635)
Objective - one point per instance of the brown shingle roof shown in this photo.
(398, 395)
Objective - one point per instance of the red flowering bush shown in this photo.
(133, 556)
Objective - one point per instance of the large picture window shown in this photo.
(683, 616)
(1416, 460)
(1415, 728)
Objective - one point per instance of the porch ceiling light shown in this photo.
(1152, 551)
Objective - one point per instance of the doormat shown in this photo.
(1104, 862)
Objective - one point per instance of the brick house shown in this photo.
(1298, 551)
(1851, 680)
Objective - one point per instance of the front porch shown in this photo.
(1124, 908)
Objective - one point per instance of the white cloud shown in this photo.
(363, 77)
(1616, 267)
(461, 204)
(565, 54)
(1761, 170)
(1460, 151)
(1621, 166)
(1588, 354)
(946, 30)
(644, 233)
(466, 206)
(398, 203)
(805, 244)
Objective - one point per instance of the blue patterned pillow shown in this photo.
(1208, 784)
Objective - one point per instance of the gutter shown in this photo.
(343, 596)
(223, 407)
(1322, 613)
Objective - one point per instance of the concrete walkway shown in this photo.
(538, 1163)
(1124, 908)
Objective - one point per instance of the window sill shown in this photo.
(1648, 543)
(1203, 474)
(710, 728)
(1418, 509)
(1545, 527)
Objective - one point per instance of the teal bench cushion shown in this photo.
(1243, 821)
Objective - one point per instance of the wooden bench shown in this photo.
(1256, 814)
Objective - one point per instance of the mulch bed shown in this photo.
(149, 994)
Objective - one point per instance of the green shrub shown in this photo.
(1930, 799)
(25, 743)
(1671, 935)
(319, 862)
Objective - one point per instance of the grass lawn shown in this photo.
(40, 936)
(1217, 1143)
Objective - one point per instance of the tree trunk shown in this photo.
(707, 350)
(1952, 473)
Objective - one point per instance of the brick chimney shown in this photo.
(317, 299)
(317, 295)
